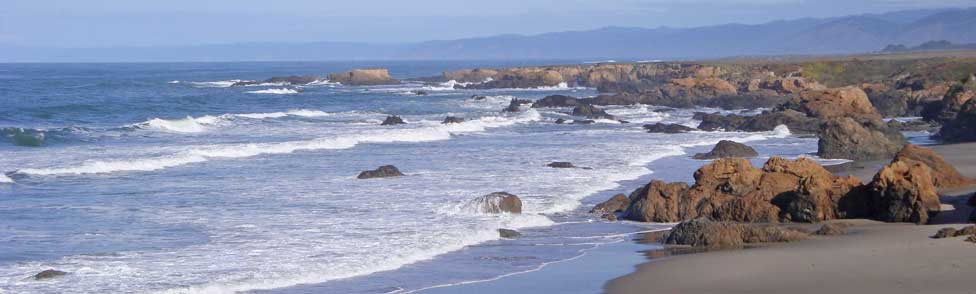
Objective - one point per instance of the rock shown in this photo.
(617, 203)
(49, 274)
(962, 128)
(726, 148)
(971, 239)
(903, 192)
(609, 217)
(590, 111)
(452, 120)
(498, 202)
(363, 77)
(509, 234)
(419, 92)
(834, 103)
(392, 120)
(889, 103)
(972, 216)
(718, 122)
(561, 165)
(944, 175)
(667, 128)
(556, 101)
(583, 122)
(945, 233)
(658, 202)
(709, 234)
(513, 106)
(847, 138)
(519, 78)
(478, 97)
(796, 121)
(833, 229)
(972, 200)
(560, 121)
(385, 171)
(910, 126)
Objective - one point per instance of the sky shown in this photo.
(121, 23)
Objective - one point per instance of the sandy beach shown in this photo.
(873, 257)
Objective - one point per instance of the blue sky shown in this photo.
(107, 23)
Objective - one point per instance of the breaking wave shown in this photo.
(204, 153)
(280, 91)
(4, 179)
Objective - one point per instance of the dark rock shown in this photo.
(890, 103)
(717, 122)
(49, 274)
(714, 235)
(513, 106)
(560, 121)
(726, 148)
(452, 120)
(972, 200)
(910, 126)
(590, 111)
(617, 203)
(583, 122)
(509, 234)
(833, 229)
(385, 171)
(667, 128)
(478, 97)
(498, 202)
(561, 165)
(392, 120)
(796, 121)
(556, 101)
(845, 137)
(419, 92)
(962, 128)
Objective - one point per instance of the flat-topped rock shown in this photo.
(364, 77)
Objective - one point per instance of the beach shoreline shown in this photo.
(874, 257)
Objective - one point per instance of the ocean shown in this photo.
(161, 178)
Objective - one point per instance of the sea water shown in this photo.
(162, 178)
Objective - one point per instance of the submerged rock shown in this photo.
(49, 274)
(385, 171)
(498, 202)
(560, 164)
(452, 120)
(556, 101)
(590, 111)
(726, 148)
(667, 128)
(509, 234)
(392, 120)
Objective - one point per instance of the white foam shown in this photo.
(185, 125)
(173, 82)
(279, 91)
(4, 179)
(203, 153)
(217, 84)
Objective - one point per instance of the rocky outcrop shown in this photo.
(903, 192)
(452, 120)
(731, 189)
(950, 232)
(667, 128)
(911, 126)
(833, 229)
(386, 171)
(49, 274)
(518, 78)
(590, 111)
(944, 175)
(617, 203)
(498, 202)
(845, 137)
(364, 77)
(962, 127)
(515, 105)
(556, 101)
(709, 234)
(726, 148)
(392, 120)
(716, 122)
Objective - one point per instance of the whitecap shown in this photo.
(4, 179)
(185, 125)
(173, 82)
(218, 84)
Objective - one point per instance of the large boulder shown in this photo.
(658, 202)
(667, 128)
(386, 171)
(709, 234)
(498, 202)
(717, 122)
(834, 103)
(904, 192)
(590, 111)
(944, 175)
(726, 148)
(363, 77)
(796, 121)
(556, 101)
(845, 137)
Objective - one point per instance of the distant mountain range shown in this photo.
(839, 35)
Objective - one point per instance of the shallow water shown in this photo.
(160, 178)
